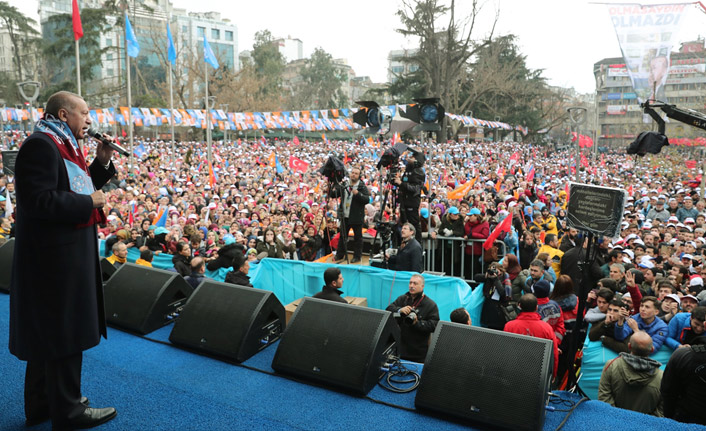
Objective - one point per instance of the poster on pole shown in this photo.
(8, 162)
(595, 209)
(646, 34)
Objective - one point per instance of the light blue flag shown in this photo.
(133, 48)
(208, 54)
(171, 51)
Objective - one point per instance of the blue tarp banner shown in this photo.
(292, 279)
(595, 356)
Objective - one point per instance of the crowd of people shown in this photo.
(252, 202)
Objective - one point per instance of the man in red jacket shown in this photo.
(530, 323)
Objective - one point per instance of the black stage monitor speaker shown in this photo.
(143, 299)
(337, 344)
(7, 250)
(228, 320)
(107, 269)
(487, 377)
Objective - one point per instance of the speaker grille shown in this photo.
(133, 282)
(223, 312)
(487, 376)
(336, 343)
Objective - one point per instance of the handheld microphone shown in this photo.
(107, 141)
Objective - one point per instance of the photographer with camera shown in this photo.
(351, 212)
(417, 316)
(497, 291)
(410, 184)
(409, 254)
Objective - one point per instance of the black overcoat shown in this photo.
(56, 291)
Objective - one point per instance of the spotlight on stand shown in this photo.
(427, 112)
(373, 117)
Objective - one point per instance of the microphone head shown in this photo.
(93, 132)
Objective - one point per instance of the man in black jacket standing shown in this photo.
(332, 289)
(57, 313)
(417, 315)
(410, 185)
(351, 213)
(684, 383)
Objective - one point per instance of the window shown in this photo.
(109, 42)
(110, 72)
(397, 69)
(109, 56)
(413, 68)
(215, 34)
(229, 36)
(184, 29)
(200, 31)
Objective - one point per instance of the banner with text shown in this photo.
(646, 35)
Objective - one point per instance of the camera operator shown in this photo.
(417, 316)
(410, 184)
(351, 212)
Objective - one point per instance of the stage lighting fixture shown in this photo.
(373, 117)
(427, 112)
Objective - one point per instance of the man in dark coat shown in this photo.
(410, 184)
(417, 315)
(351, 212)
(198, 268)
(409, 254)
(57, 313)
(239, 274)
(333, 281)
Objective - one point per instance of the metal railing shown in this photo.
(448, 255)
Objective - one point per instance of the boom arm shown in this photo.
(686, 116)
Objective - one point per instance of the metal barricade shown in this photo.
(447, 255)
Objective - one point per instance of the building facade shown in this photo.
(620, 117)
(398, 64)
(291, 49)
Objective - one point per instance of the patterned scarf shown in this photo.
(79, 176)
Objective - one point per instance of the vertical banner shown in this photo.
(646, 35)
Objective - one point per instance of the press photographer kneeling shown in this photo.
(497, 309)
(417, 315)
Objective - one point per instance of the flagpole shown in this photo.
(171, 113)
(129, 108)
(78, 70)
(208, 112)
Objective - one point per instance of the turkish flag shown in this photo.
(295, 140)
(691, 164)
(504, 226)
(296, 164)
(76, 18)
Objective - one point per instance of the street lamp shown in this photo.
(469, 114)
(29, 90)
(224, 107)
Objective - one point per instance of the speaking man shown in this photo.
(57, 313)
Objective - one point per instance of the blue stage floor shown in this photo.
(155, 386)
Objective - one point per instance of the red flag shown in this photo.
(295, 140)
(691, 164)
(76, 18)
(296, 164)
(503, 226)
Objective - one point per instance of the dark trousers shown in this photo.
(357, 241)
(53, 388)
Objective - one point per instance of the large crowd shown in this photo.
(250, 198)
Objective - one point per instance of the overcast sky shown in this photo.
(563, 37)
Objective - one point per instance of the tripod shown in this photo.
(343, 234)
(383, 229)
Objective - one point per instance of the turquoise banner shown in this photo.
(292, 279)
